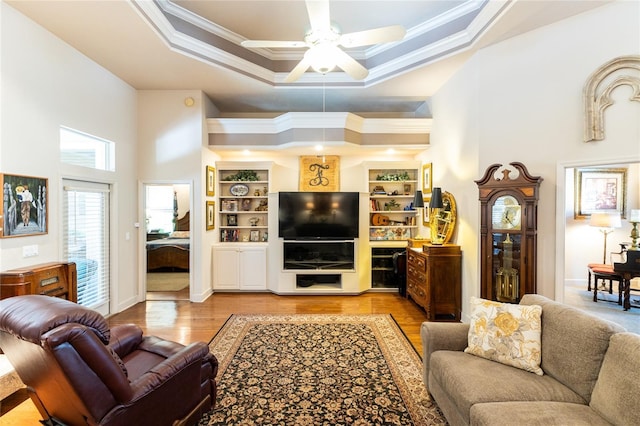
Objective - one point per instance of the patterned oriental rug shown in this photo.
(318, 370)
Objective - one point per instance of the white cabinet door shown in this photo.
(240, 268)
(226, 268)
(253, 268)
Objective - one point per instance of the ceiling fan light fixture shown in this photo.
(321, 58)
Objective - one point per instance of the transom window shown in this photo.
(81, 149)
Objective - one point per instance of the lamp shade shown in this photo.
(436, 198)
(605, 220)
(634, 216)
(418, 200)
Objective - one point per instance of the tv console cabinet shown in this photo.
(318, 267)
(319, 255)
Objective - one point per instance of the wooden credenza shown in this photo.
(434, 280)
(57, 279)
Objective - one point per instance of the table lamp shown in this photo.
(634, 219)
(606, 222)
(435, 205)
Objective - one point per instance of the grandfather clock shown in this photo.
(508, 233)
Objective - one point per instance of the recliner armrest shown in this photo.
(441, 336)
(193, 353)
(158, 346)
(125, 339)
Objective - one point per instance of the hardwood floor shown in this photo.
(186, 322)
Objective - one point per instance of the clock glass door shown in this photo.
(506, 266)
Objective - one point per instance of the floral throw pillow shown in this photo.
(506, 333)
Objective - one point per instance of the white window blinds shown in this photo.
(86, 240)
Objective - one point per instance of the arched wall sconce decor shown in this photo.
(597, 92)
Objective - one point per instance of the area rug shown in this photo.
(167, 281)
(314, 369)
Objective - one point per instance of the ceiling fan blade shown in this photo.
(374, 36)
(298, 70)
(349, 65)
(319, 15)
(272, 43)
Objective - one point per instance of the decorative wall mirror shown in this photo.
(447, 217)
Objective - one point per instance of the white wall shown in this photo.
(172, 146)
(521, 100)
(46, 84)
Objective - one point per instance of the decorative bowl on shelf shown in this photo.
(239, 190)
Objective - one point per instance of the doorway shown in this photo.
(578, 244)
(168, 241)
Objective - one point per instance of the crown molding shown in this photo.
(153, 12)
(314, 120)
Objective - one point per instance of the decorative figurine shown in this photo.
(263, 207)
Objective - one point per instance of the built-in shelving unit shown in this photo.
(385, 273)
(243, 203)
(391, 191)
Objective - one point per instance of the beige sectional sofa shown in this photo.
(591, 374)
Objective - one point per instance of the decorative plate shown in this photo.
(239, 189)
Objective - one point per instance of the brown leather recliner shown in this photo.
(80, 372)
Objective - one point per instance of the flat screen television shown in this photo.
(318, 215)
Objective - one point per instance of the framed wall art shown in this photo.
(210, 214)
(320, 173)
(426, 210)
(600, 190)
(211, 181)
(24, 205)
(426, 178)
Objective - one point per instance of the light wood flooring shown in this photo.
(186, 322)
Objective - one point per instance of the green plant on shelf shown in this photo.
(391, 205)
(394, 176)
(243, 176)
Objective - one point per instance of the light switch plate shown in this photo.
(30, 251)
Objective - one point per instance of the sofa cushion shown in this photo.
(615, 394)
(573, 343)
(543, 413)
(468, 380)
(506, 333)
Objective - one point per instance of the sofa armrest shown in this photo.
(441, 336)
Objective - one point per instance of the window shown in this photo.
(160, 208)
(86, 240)
(81, 149)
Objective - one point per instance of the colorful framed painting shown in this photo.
(600, 190)
(320, 173)
(210, 214)
(211, 181)
(25, 206)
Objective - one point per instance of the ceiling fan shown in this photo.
(323, 41)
